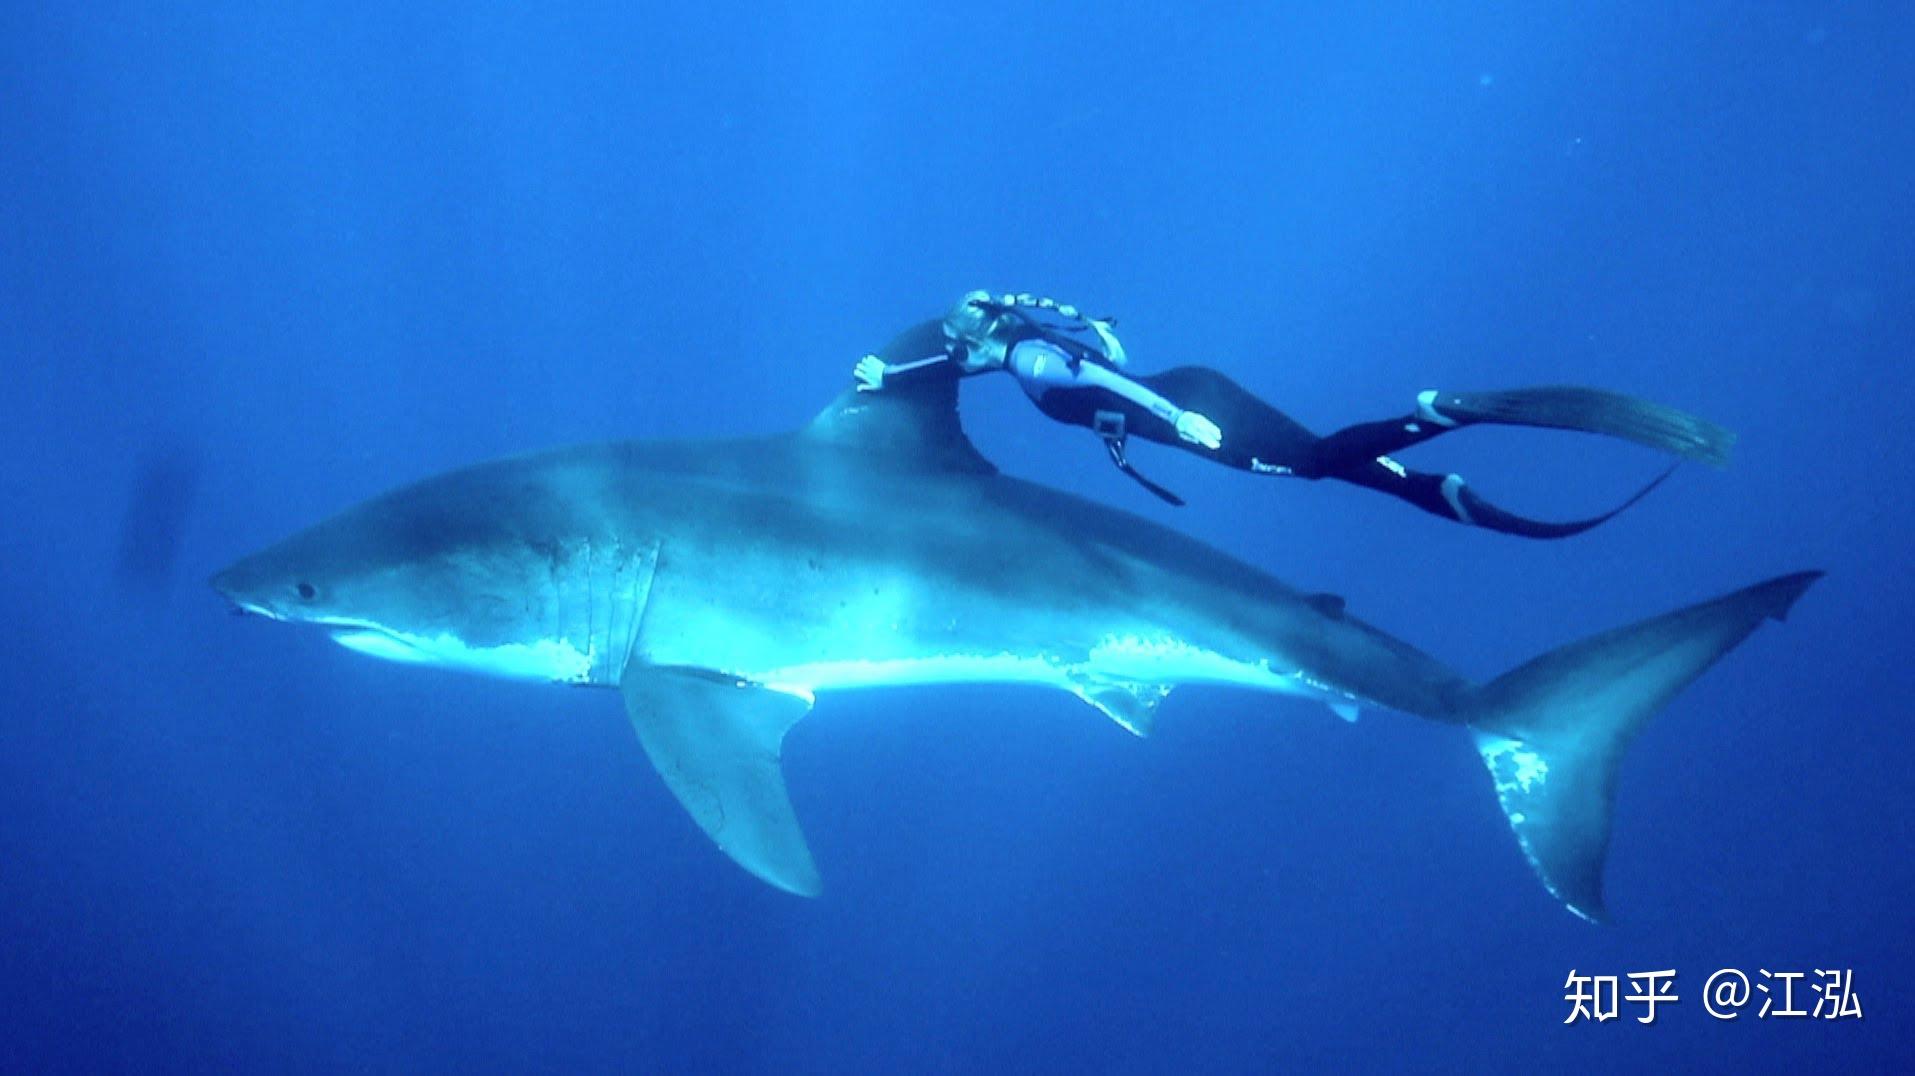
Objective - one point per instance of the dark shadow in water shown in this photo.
(157, 509)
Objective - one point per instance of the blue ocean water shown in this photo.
(260, 262)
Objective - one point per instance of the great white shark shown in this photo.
(721, 586)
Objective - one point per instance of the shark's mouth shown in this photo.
(540, 659)
(364, 636)
(372, 640)
(376, 640)
(241, 608)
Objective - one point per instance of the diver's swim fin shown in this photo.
(1455, 500)
(1612, 414)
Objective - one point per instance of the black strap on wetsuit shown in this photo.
(1109, 425)
(1071, 333)
(1042, 319)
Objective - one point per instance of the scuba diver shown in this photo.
(1073, 367)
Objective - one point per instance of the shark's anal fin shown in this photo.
(1130, 703)
(717, 743)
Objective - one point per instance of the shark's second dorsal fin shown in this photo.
(913, 423)
(1330, 605)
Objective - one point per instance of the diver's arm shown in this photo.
(920, 352)
(874, 373)
(929, 366)
(1189, 425)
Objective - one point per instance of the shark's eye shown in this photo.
(306, 591)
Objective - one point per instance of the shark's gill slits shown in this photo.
(599, 593)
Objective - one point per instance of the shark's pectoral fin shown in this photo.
(717, 744)
(1130, 703)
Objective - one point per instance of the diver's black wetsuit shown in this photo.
(1263, 440)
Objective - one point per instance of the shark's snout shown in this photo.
(242, 591)
(231, 584)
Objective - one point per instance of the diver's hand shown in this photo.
(870, 373)
(1199, 430)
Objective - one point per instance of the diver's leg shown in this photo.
(1259, 438)
(1353, 447)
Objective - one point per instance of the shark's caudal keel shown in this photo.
(722, 586)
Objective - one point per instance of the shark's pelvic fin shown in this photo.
(1553, 731)
(717, 743)
(1130, 703)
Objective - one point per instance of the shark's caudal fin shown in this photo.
(1553, 731)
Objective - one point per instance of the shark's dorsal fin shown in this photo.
(914, 423)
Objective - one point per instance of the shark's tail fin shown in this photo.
(1552, 732)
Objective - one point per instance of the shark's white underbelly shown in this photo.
(1139, 660)
(810, 678)
(1152, 661)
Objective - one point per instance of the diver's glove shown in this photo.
(870, 373)
(1199, 430)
